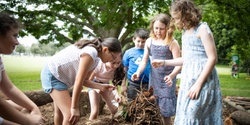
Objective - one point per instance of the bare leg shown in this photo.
(94, 99)
(108, 97)
(62, 104)
(166, 120)
(58, 117)
(16, 106)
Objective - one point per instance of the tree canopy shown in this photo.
(70, 20)
(230, 22)
(66, 21)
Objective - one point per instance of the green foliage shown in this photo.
(47, 49)
(68, 20)
(65, 21)
(229, 21)
(20, 49)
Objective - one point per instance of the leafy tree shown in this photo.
(35, 49)
(68, 20)
(230, 23)
(20, 49)
(65, 21)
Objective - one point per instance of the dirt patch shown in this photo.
(105, 117)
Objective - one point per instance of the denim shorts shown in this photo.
(49, 82)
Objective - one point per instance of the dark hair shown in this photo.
(113, 44)
(142, 33)
(119, 74)
(7, 23)
(165, 19)
(189, 14)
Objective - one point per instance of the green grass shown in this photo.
(24, 71)
(25, 74)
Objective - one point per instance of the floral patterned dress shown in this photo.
(166, 97)
(207, 109)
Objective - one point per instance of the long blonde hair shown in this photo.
(165, 19)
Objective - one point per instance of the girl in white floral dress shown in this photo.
(199, 99)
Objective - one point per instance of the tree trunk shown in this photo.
(241, 117)
(41, 98)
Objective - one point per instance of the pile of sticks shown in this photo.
(240, 103)
(143, 110)
(242, 114)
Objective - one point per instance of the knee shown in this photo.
(66, 115)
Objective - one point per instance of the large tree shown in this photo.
(68, 20)
(230, 22)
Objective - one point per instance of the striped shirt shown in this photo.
(64, 65)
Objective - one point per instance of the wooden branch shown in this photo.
(241, 101)
(39, 97)
(233, 104)
(241, 117)
(239, 98)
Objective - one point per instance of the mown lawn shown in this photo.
(25, 73)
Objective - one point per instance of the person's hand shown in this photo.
(75, 116)
(194, 91)
(168, 80)
(135, 77)
(107, 87)
(157, 63)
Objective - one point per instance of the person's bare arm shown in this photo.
(83, 70)
(142, 65)
(124, 81)
(209, 45)
(17, 96)
(175, 49)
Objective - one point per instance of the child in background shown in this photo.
(161, 45)
(19, 109)
(103, 73)
(72, 66)
(131, 60)
(199, 99)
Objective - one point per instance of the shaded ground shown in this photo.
(105, 117)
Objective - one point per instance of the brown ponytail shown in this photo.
(96, 43)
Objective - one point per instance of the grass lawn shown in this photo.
(233, 86)
(25, 73)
